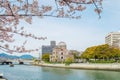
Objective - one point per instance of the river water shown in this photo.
(25, 72)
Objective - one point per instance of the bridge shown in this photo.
(6, 62)
(16, 62)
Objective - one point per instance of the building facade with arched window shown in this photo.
(59, 53)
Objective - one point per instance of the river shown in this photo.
(28, 72)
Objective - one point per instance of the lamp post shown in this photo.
(119, 42)
(38, 57)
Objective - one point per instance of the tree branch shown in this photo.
(96, 7)
(22, 34)
(10, 9)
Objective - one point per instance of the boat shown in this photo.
(21, 62)
(11, 65)
(1, 75)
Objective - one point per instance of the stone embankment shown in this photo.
(90, 66)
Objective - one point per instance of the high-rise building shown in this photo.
(113, 39)
(53, 43)
(48, 48)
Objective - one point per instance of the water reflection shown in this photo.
(102, 75)
(55, 73)
(22, 72)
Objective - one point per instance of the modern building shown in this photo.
(75, 52)
(53, 43)
(48, 48)
(113, 39)
(60, 53)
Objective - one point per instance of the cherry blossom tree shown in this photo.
(12, 11)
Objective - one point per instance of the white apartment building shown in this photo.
(113, 39)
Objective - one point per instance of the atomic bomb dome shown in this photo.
(61, 44)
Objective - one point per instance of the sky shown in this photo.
(78, 34)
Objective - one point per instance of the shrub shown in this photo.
(68, 61)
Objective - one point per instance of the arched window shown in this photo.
(61, 53)
(62, 57)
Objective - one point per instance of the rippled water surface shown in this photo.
(25, 72)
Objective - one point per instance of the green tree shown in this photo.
(89, 52)
(69, 60)
(104, 52)
(46, 57)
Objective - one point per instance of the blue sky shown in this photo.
(77, 33)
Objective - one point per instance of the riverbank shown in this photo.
(90, 66)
